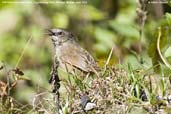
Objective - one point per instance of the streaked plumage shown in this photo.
(70, 55)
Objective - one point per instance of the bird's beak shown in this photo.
(50, 32)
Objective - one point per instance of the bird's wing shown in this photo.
(79, 58)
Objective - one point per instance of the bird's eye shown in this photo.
(59, 33)
(52, 34)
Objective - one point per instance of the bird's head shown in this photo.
(59, 36)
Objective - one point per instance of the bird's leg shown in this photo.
(53, 72)
(54, 80)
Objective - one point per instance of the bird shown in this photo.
(70, 56)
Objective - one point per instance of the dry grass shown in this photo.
(116, 91)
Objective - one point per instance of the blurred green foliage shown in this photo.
(98, 25)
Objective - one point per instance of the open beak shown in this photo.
(50, 32)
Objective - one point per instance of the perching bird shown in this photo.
(70, 55)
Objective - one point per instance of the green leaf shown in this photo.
(169, 2)
(61, 20)
(168, 52)
(125, 29)
(92, 13)
(168, 18)
(23, 78)
(105, 37)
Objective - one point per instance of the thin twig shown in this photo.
(22, 53)
(109, 57)
(141, 18)
(159, 51)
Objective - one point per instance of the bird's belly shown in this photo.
(66, 67)
(70, 69)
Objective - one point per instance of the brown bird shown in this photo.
(70, 55)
